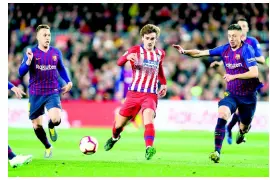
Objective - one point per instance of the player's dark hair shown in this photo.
(42, 26)
(242, 19)
(235, 27)
(150, 28)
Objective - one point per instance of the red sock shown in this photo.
(149, 135)
(116, 131)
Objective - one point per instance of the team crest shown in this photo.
(54, 58)
(237, 56)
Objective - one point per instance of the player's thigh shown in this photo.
(130, 108)
(36, 106)
(226, 107)
(149, 106)
(246, 113)
(53, 105)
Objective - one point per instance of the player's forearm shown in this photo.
(24, 68)
(122, 60)
(260, 60)
(10, 85)
(247, 75)
(195, 53)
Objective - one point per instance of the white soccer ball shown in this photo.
(88, 145)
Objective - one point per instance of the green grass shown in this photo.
(179, 154)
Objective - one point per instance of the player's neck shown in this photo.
(42, 48)
(237, 47)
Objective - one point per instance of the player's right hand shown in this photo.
(179, 48)
(29, 55)
(18, 92)
(132, 57)
(216, 64)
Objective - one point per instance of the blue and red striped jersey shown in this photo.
(238, 62)
(44, 70)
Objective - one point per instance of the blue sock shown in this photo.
(219, 134)
(11, 154)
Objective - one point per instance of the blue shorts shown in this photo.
(38, 102)
(246, 106)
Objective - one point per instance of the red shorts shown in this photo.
(136, 101)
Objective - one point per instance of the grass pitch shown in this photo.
(179, 154)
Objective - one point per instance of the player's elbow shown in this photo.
(261, 60)
(255, 74)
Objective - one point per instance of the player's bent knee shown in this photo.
(223, 115)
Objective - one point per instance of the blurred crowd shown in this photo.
(93, 36)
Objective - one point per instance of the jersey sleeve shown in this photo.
(61, 68)
(216, 51)
(123, 59)
(24, 68)
(249, 56)
(10, 85)
(161, 75)
(257, 47)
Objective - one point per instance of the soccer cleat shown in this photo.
(150, 152)
(240, 138)
(214, 156)
(229, 136)
(48, 153)
(53, 134)
(110, 143)
(20, 160)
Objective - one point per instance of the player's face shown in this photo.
(244, 27)
(149, 41)
(234, 37)
(44, 37)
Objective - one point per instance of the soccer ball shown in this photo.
(88, 145)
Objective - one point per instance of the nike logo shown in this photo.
(37, 58)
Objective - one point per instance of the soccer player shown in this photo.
(242, 83)
(17, 160)
(259, 58)
(146, 62)
(44, 62)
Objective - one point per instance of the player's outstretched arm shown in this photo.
(26, 62)
(18, 92)
(192, 53)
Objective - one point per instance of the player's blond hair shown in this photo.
(150, 28)
(42, 26)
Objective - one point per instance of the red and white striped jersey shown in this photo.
(147, 70)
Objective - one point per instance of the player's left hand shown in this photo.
(67, 87)
(162, 91)
(228, 77)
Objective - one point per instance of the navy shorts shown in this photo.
(38, 102)
(246, 106)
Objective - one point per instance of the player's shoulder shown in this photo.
(160, 51)
(252, 39)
